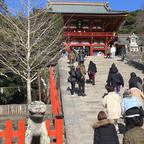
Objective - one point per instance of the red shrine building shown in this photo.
(88, 24)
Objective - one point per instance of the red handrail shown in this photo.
(55, 108)
(53, 94)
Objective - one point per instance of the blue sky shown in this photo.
(129, 5)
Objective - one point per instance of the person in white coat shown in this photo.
(113, 51)
(112, 102)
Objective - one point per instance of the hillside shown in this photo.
(134, 23)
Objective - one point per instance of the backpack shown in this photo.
(94, 68)
(78, 73)
(81, 57)
(73, 74)
(116, 79)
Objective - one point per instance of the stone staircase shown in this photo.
(87, 108)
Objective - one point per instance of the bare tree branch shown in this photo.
(30, 41)
(34, 77)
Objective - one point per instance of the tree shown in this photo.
(3, 6)
(32, 42)
(12, 88)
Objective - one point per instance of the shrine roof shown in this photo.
(66, 7)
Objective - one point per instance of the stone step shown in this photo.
(88, 107)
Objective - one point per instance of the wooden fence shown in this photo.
(18, 110)
(13, 109)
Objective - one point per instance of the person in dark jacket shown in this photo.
(143, 85)
(139, 83)
(91, 71)
(81, 57)
(108, 51)
(81, 74)
(134, 80)
(73, 79)
(115, 79)
(87, 50)
(136, 134)
(104, 130)
(123, 53)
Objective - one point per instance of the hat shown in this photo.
(113, 65)
(133, 74)
(127, 93)
(72, 67)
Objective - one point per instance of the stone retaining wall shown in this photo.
(136, 56)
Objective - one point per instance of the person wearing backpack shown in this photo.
(80, 74)
(139, 83)
(133, 80)
(136, 134)
(123, 53)
(130, 107)
(91, 71)
(115, 79)
(81, 57)
(72, 73)
(71, 56)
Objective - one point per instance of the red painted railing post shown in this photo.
(91, 50)
(56, 94)
(58, 108)
(50, 133)
(59, 129)
(47, 123)
(21, 132)
(8, 132)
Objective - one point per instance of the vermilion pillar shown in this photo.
(91, 50)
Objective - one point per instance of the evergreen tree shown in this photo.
(3, 7)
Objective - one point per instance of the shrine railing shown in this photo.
(57, 132)
(8, 133)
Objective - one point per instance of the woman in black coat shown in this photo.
(104, 130)
(72, 79)
(92, 69)
(115, 79)
(133, 80)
